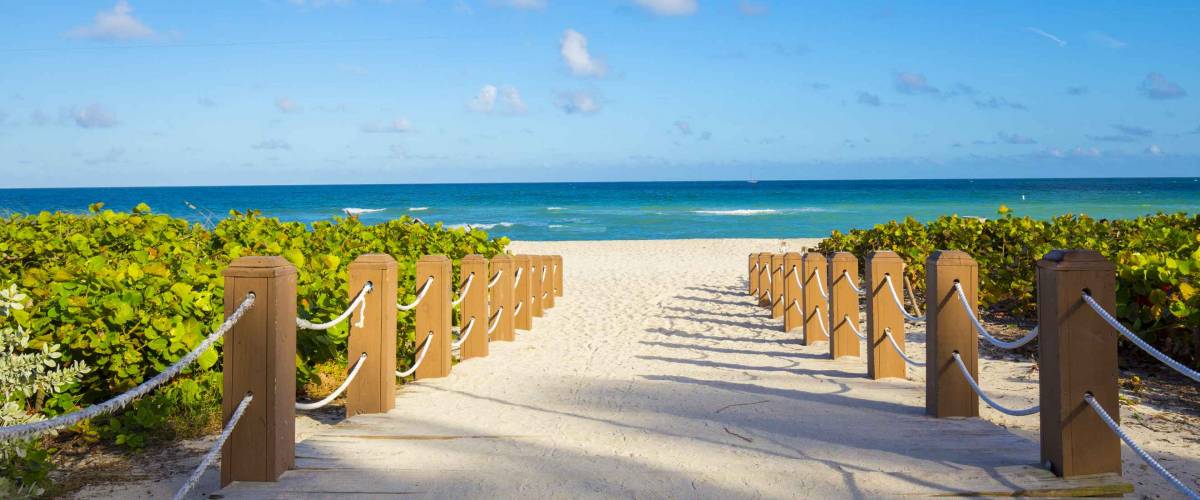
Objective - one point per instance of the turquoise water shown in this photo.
(650, 210)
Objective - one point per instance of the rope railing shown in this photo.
(962, 296)
(1179, 367)
(820, 287)
(420, 357)
(820, 321)
(495, 321)
(211, 455)
(495, 278)
(118, 402)
(854, 327)
(420, 295)
(362, 359)
(796, 304)
(962, 367)
(771, 277)
(888, 333)
(900, 304)
(1162, 471)
(850, 281)
(360, 302)
(462, 294)
(544, 268)
(517, 310)
(517, 277)
(796, 276)
(466, 332)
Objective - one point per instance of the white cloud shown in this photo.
(397, 126)
(510, 101)
(111, 156)
(93, 116)
(1083, 152)
(914, 83)
(520, 4)
(206, 102)
(1105, 40)
(1048, 36)
(1154, 150)
(749, 8)
(272, 144)
(684, 127)
(285, 105)
(669, 7)
(115, 24)
(579, 102)
(574, 52)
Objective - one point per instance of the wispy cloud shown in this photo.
(93, 116)
(1153, 150)
(206, 102)
(272, 145)
(669, 7)
(1105, 40)
(502, 100)
(907, 82)
(751, 8)
(578, 102)
(1049, 36)
(1014, 138)
(1077, 90)
(1156, 86)
(519, 4)
(397, 126)
(683, 127)
(869, 99)
(111, 156)
(285, 105)
(574, 50)
(1134, 130)
(117, 23)
(999, 103)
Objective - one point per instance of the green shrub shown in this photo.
(1157, 259)
(130, 293)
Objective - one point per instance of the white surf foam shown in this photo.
(744, 211)
(417, 209)
(359, 211)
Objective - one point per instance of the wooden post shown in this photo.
(777, 304)
(764, 282)
(751, 272)
(843, 305)
(1077, 352)
(523, 317)
(882, 315)
(548, 292)
(536, 285)
(434, 315)
(816, 307)
(374, 389)
(949, 330)
(259, 357)
(474, 306)
(558, 275)
(793, 295)
(502, 297)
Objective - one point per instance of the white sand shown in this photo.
(655, 377)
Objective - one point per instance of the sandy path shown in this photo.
(656, 377)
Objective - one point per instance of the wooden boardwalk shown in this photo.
(657, 388)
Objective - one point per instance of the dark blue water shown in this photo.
(650, 210)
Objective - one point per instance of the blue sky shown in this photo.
(362, 91)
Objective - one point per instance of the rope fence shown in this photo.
(495, 279)
(900, 304)
(337, 392)
(1157, 467)
(887, 332)
(854, 327)
(462, 294)
(1130, 336)
(962, 367)
(962, 296)
(420, 296)
(211, 455)
(466, 332)
(820, 288)
(360, 302)
(850, 281)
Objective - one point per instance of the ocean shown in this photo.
(647, 210)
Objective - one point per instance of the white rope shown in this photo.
(796, 304)
(820, 288)
(420, 296)
(216, 448)
(888, 332)
(770, 277)
(854, 327)
(850, 281)
(900, 304)
(544, 268)
(359, 302)
(820, 321)
(1179, 367)
(796, 275)
(466, 332)
(517, 310)
(462, 294)
(991, 402)
(420, 358)
(770, 298)
(496, 278)
(495, 321)
(517, 277)
(338, 392)
(69, 419)
(1162, 471)
(984, 333)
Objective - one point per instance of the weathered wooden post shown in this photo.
(474, 306)
(548, 292)
(374, 389)
(434, 315)
(843, 305)
(793, 294)
(764, 279)
(259, 358)
(752, 275)
(536, 285)
(949, 330)
(1077, 352)
(502, 297)
(816, 306)
(777, 305)
(521, 308)
(883, 316)
(558, 275)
